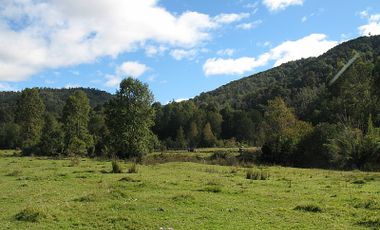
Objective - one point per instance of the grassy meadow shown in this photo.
(43, 193)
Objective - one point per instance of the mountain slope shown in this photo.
(291, 81)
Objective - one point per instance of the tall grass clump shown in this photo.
(116, 167)
(257, 175)
(133, 168)
(308, 208)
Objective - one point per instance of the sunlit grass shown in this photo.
(41, 193)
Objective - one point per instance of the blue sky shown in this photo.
(179, 47)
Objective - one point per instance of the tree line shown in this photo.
(289, 111)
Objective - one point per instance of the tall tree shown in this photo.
(76, 112)
(209, 139)
(180, 138)
(193, 135)
(129, 117)
(52, 142)
(30, 116)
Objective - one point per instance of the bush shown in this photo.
(219, 155)
(116, 167)
(257, 175)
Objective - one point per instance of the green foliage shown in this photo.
(208, 137)
(76, 146)
(75, 119)
(129, 117)
(193, 135)
(10, 135)
(181, 139)
(283, 133)
(30, 117)
(52, 139)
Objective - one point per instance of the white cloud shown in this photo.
(373, 25)
(309, 46)
(230, 18)
(67, 33)
(220, 66)
(112, 81)
(131, 69)
(304, 19)
(226, 52)
(180, 54)
(181, 99)
(248, 26)
(151, 51)
(126, 69)
(277, 5)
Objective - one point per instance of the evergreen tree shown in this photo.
(209, 139)
(30, 117)
(129, 117)
(76, 112)
(193, 135)
(180, 138)
(52, 142)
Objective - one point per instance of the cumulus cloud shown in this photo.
(309, 46)
(180, 54)
(277, 5)
(230, 18)
(133, 69)
(373, 25)
(126, 69)
(65, 33)
(112, 81)
(220, 66)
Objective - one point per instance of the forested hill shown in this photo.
(299, 83)
(54, 100)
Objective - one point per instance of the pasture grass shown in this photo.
(43, 193)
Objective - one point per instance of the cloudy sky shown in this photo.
(179, 47)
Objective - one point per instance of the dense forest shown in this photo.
(291, 111)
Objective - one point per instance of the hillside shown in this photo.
(54, 100)
(292, 81)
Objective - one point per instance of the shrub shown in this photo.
(308, 208)
(219, 155)
(116, 167)
(133, 168)
(29, 215)
(257, 175)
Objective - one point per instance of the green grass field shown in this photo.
(42, 193)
